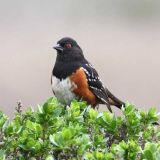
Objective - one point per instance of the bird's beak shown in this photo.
(58, 47)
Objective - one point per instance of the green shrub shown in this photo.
(78, 132)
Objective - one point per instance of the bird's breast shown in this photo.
(63, 90)
(73, 87)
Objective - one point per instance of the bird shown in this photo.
(74, 77)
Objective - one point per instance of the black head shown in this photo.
(68, 49)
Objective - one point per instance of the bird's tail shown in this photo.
(114, 100)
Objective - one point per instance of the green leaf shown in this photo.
(34, 126)
(75, 132)
(50, 104)
(3, 119)
(67, 134)
(2, 155)
(57, 111)
(92, 114)
(49, 157)
(52, 140)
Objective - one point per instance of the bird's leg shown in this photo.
(109, 107)
(97, 107)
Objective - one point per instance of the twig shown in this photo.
(19, 107)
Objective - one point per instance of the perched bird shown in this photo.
(73, 77)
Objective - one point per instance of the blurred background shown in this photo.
(120, 38)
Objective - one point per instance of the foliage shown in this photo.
(78, 132)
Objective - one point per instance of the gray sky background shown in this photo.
(120, 38)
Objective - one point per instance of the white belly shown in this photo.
(63, 90)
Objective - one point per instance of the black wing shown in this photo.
(96, 84)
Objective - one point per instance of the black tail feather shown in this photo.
(114, 100)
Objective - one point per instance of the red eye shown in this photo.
(68, 45)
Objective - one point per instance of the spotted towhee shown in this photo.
(73, 77)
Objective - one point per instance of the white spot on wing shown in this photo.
(86, 71)
(101, 90)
